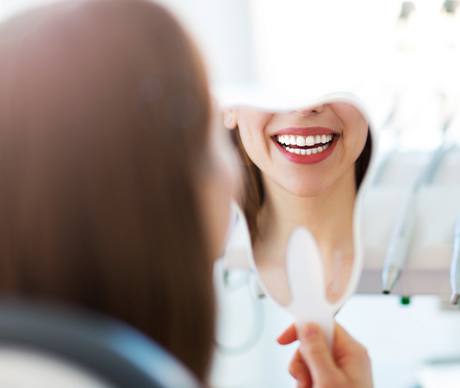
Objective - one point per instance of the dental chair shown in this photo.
(50, 347)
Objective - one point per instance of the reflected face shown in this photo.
(304, 151)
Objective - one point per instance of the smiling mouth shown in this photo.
(305, 145)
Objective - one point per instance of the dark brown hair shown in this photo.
(101, 106)
(253, 194)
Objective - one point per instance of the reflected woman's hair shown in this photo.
(104, 119)
(253, 195)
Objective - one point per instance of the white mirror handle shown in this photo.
(307, 284)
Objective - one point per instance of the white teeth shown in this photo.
(307, 151)
(302, 141)
(283, 139)
(326, 138)
(310, 140)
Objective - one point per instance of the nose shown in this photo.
(306, 112)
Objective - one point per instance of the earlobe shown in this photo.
(230, 118)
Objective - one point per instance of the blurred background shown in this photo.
(402, 58)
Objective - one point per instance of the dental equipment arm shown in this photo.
(455, 266)
(399, 245)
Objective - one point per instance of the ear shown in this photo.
(230, 118)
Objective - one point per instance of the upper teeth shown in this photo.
(302, 141)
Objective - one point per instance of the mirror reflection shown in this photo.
(301, 168)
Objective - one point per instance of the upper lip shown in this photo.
(306, 131)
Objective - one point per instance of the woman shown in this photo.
(114, 186)
(106, 168)
(302, 168)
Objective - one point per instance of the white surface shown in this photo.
(23, 368)
(440, 376)
(399, 340)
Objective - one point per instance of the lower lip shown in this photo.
(307, 159)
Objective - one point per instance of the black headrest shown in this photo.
(107, 348)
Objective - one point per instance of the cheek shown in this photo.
(254, 143)
(355, 143)
(359, 144)
(356, 131)
(252, 129)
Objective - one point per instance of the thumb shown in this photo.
(316, 353)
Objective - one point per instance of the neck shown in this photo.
(328, 216)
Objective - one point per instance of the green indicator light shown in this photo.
(405, 300)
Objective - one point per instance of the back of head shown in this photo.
(104, 115)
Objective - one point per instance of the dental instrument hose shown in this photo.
(399, 243)
(258, 318)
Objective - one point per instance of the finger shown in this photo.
(343, 341)
(299, 370)
(288, 336)
(316, 353)
(346, 346)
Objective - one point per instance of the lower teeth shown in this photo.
(307, 151)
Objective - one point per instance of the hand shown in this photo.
(314, 365)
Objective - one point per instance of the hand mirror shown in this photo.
(304, 173)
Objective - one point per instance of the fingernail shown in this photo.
(310, 331)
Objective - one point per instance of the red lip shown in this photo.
(307, 159)
(306, 131)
